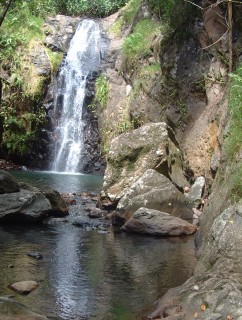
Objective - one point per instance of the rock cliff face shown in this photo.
(188, 92)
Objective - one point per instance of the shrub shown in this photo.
(234, 136)
(137, 45)
(102, 91)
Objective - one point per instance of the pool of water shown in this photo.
(62, 182)
(85, 275)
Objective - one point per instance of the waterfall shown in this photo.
(82, 59)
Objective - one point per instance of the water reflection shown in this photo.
(86, 275)
(69, 277)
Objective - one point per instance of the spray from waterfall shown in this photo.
(82, 59)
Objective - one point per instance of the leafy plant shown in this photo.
(19, 132)
(55, 59)
(102, 91)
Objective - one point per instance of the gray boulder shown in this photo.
(196, 191)
(58, 204)
(205, 296)
(222, 249)
(215, 291)
(153, 222)
(132, 153)
(7, 183)
(29, 206)
(154, 191)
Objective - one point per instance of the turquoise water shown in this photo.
(62, 182)
(85, 275)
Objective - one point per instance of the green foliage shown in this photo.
(234, 135)
(174, 12)
(137, 45)
(20, 131)
(55, 59)
(130, 10)
(234, 138)
(126, 17)
(95, 8)
(102, 91)
(19, 27)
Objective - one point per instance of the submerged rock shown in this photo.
(154, 222)
(24, 287)
(35, 255)
(11, 309)
(154, 191)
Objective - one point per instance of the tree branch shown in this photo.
(5, 11)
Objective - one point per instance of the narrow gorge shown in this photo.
(135, 118)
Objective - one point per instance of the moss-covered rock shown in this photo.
(132, 153)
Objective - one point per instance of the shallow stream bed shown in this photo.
(86, 274)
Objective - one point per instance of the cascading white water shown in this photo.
(82, 59)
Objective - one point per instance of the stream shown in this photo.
(87, 275)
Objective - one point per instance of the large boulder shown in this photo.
(58, 204)
(222, 250)
(154, 222)
(23, 206)
(154, 191)
(7, 183)
(132, 153)
(21, 202)
(205, 296)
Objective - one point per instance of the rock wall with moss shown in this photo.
(173, 68)
(32, 48)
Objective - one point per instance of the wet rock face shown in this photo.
(132, 153)
(154, 191)
(206, 296)
(214, 292)
(154, 222)
(59, 31)
(222, 251)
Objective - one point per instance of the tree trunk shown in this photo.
(230, 40)
(5, 11)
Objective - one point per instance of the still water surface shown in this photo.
(85, 275)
